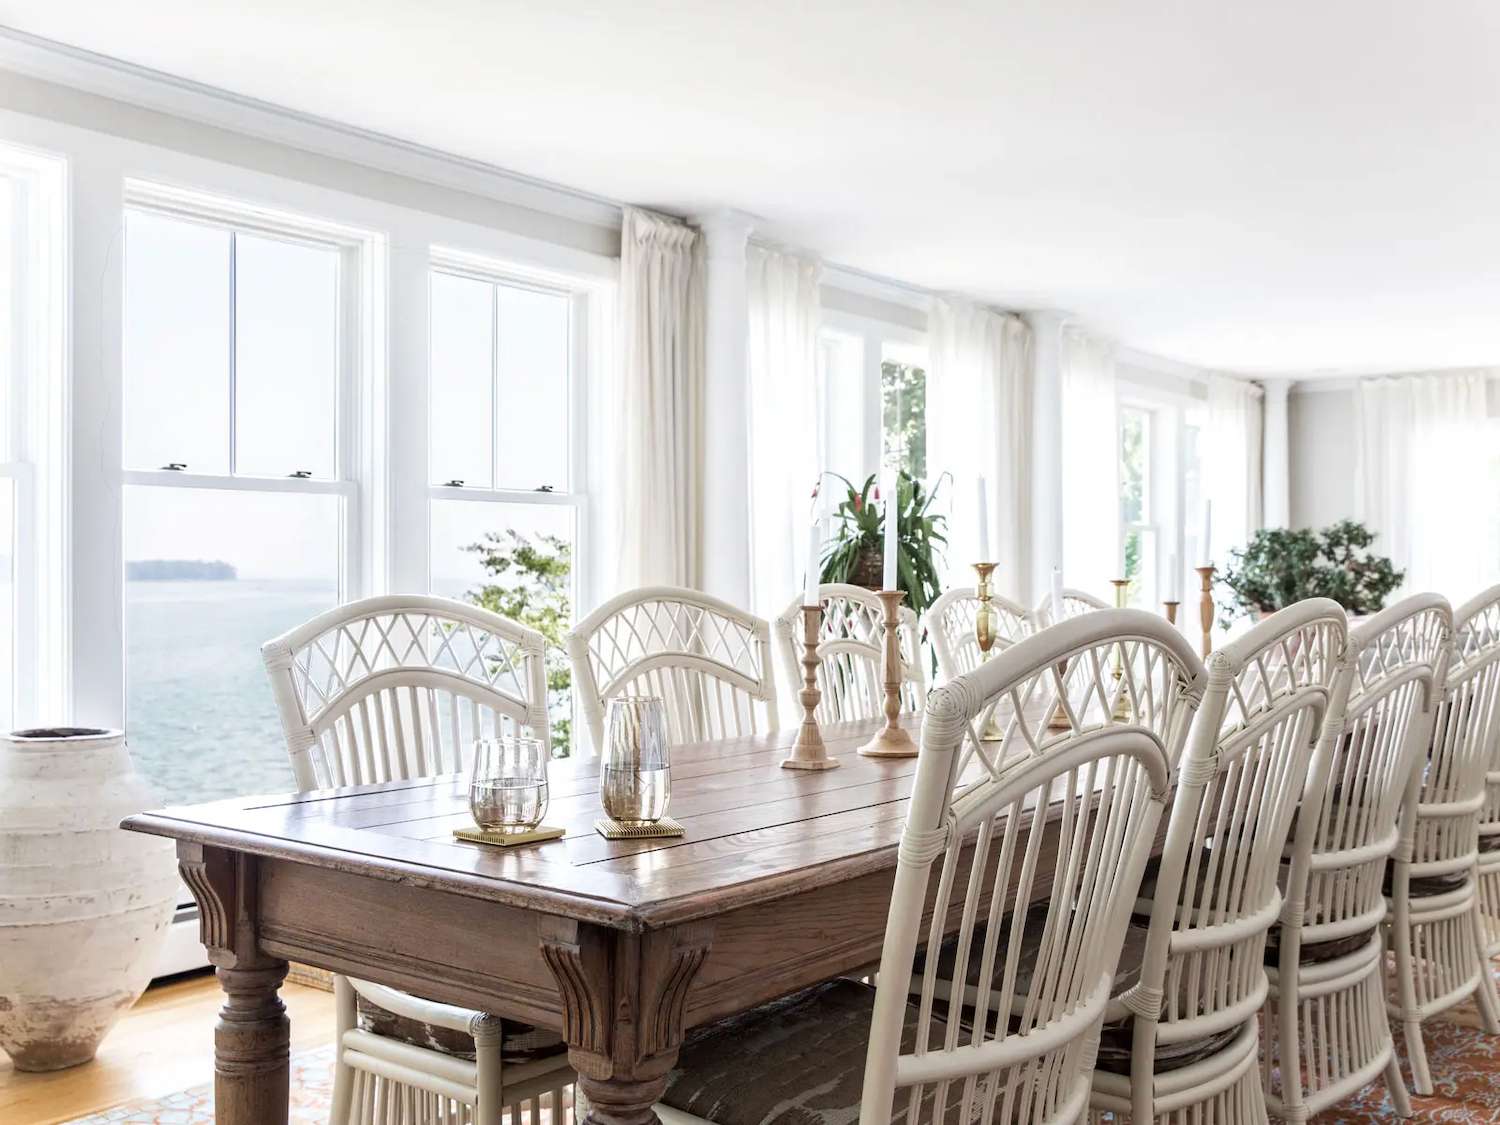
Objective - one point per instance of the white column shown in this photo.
(726, 408)
(1046, 449)
(405, 531)
(1276, 476)
(96, 613)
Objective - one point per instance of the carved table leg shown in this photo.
(623, 998)
(250, 1047)
(250, 1041)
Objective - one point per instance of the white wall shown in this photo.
(1323, 451)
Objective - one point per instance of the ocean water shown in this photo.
(200, 718)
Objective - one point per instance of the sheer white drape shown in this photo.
(1091, 463)
(659, 404)
(979, 424)
(1231, 463)
(1424, 480)
(784, 313)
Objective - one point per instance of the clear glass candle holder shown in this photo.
(635, 782)
(508, 789)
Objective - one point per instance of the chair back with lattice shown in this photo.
(949, 624)
(1449, 796)
(1377, 725)
(1074, 603)
(1215, 894)
(981, 817)
(851, 654)
(399, 687)
(708, 661)
(1476, 634)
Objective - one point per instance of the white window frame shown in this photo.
(878, 340)
(37, 438)
(361, 257)
(583, 298)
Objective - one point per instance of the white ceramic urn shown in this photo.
(84, 905)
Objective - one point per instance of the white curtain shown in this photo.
(659, 404)
(979, 424)
(1425, 478)
(1231, 464)
(784, 313)
(1091, 463)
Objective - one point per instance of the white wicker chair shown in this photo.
(1074, 602)
(1476, 631)
(1104, 786)
(949, 624)
(709, 661)
(1327, 1034)
(395, 688)
(1182, 1044)
(1434, 924)
(851, 654)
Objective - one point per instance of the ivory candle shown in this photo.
(892, 518)
(1207, 544)
(1057, 588)
(814, 562)
(1174, 579)
(984, 522)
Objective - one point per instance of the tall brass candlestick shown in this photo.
(1206, 607)
(1122, 705)
(984, 636)
(891, 741)
(809, 752)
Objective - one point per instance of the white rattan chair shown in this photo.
(949, 624)
(1476, 631)
(1327, 1034)
(1182, 1044)
(1074, 602)
(973, 834)
(851, 654)
(396, 688)
(1434, 923)
(709, 661)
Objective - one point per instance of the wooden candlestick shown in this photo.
(1170, 609)
(1206, 607)
(891, 741)
(809, 752)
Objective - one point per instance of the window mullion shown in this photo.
(494, 385)
(233, 350)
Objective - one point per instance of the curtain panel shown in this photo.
(1231, 463)
(784, 312)
(979, 389)
(1090, 463)
(659, 404)
(1424, 477)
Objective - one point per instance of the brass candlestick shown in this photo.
(891, 741)
(1170, 609)
(1206, 607)
(809, 752)
(1122, 705)
(984, 636)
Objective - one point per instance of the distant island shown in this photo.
(179, 570)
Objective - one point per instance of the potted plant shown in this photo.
(856, 554)
(1280, 567)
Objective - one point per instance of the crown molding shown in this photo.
(102, 75)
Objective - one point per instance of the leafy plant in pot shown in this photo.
(1280, 567)
(856, 553)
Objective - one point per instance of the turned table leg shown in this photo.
(623, 997)
(250, 1047)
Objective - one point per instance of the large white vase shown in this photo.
(84, 905)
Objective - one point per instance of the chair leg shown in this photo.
(1489, 1006)
(1396, 1086)
(488, 1109)
(343, 1077)
(1416, 1050)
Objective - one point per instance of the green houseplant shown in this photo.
(1279, 567)
(531, 582)
(855, 552)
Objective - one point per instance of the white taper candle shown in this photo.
(892, 518)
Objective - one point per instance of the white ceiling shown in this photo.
(1283, 185)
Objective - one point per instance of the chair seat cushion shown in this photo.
(799, 1060)
(1317, 952)
(519, 1042)
(1116, 1038)
(1425, 886)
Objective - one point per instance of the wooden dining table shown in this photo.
(782, 880)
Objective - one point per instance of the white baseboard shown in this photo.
(182, 951)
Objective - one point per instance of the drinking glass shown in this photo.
(508, 791)
(635, 784)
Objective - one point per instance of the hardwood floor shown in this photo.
(162, 1045)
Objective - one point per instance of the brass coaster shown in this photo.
(613, 830)
(509, 839)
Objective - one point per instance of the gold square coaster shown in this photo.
(509, 839)
(614, 830)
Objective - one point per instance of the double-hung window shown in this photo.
(243, 340)
(506, 499)
(873, 397)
